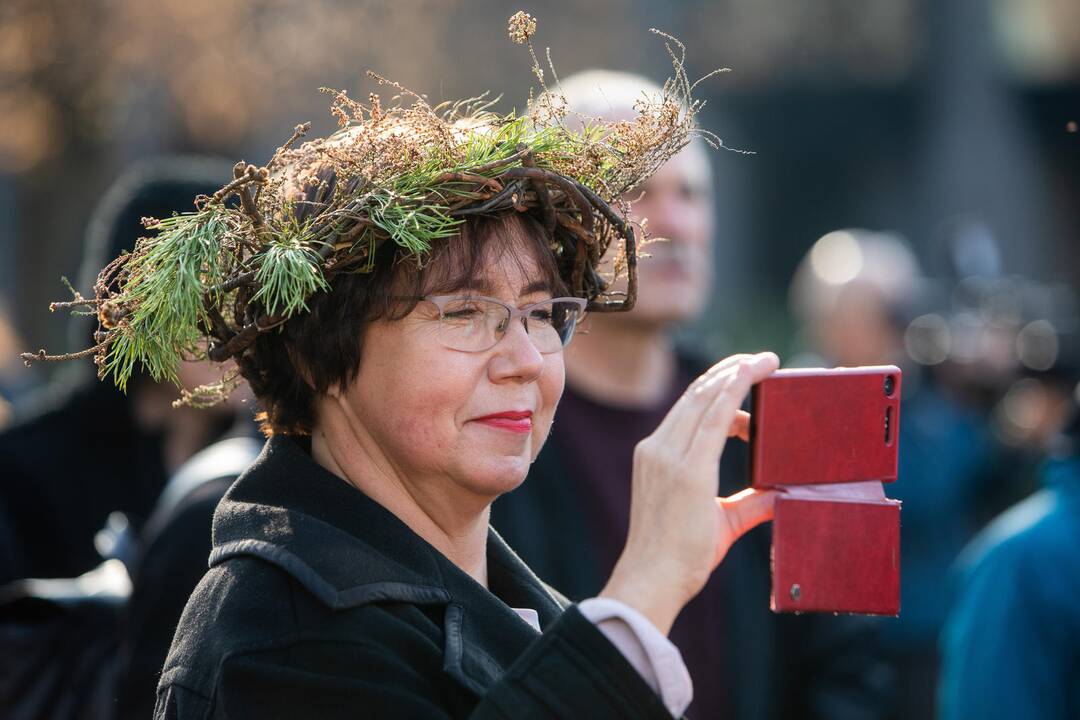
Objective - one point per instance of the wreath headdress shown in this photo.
(248, 258)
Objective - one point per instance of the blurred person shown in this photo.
(173, 547)
(1011, 646)
(855, 292)
(82, 449)
(15, 381)
(570, 519)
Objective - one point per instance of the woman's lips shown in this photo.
(517, 422)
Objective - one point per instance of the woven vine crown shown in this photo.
(206, 283)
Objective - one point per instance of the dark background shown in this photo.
(947, 122)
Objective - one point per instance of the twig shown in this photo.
(492, 203)
(627, 303)
(566, 185)
(250, 174)
(488, 166)
(54, 306)
(218, 325)
(543, 198)
(41, 356)
(298, 132)
(242, 340)
(495, 185)
(610, 215)
(234, 282)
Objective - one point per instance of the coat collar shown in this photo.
(348, 551)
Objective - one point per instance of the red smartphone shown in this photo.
(821, 426)
(835, 549)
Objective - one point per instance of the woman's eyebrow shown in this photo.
(484, 286)
(536, 286)
(480, 286)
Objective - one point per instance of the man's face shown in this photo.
(674, 282)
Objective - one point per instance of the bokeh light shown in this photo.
(836, 258)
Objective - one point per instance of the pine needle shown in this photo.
(288, 275)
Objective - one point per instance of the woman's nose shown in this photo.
(516, 356)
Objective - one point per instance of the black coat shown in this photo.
(73, 459)
(321, 603)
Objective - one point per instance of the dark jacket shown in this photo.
(172, 556)
(769, 666)
(76, 457)
(321, 603)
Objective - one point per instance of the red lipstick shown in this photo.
(518, 421)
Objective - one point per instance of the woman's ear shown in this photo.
(335, 391)
(300, 367)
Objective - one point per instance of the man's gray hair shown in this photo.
(610, 95)
(607, 94)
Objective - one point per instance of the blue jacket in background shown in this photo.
(1012, 643)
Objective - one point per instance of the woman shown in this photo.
(399, 296)
(356, 573)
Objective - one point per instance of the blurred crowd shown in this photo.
(106, 497)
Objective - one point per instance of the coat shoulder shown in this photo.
(238, 604)
(246, 607)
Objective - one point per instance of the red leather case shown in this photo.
(815, 426)
(841, 557)
(831, 553)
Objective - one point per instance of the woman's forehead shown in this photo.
(514, 274)
(498, 285)
(503, 262)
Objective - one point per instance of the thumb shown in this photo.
(740, 513)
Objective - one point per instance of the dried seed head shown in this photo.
(109, 314)
(522, 27)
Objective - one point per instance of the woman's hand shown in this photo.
(679, 529)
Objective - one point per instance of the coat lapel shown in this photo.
(348, 551)
(484, 635)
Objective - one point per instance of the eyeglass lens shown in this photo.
(476, 324)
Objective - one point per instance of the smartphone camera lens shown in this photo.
(890, 385)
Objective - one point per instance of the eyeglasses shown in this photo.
(472, 323)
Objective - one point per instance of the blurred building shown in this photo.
(873, 113)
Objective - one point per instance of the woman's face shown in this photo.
(422, 405)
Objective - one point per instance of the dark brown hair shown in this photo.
(320, 349)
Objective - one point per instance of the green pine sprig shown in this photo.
(289, 273)
(167, 278)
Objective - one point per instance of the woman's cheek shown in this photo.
(551, 389)
(540, 428)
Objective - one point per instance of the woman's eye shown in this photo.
(461, 312)
(542, 315)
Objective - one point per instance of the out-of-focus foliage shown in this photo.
(218, 68)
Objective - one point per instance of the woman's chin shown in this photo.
(498, 475)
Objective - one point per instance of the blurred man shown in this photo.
(569, 519)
